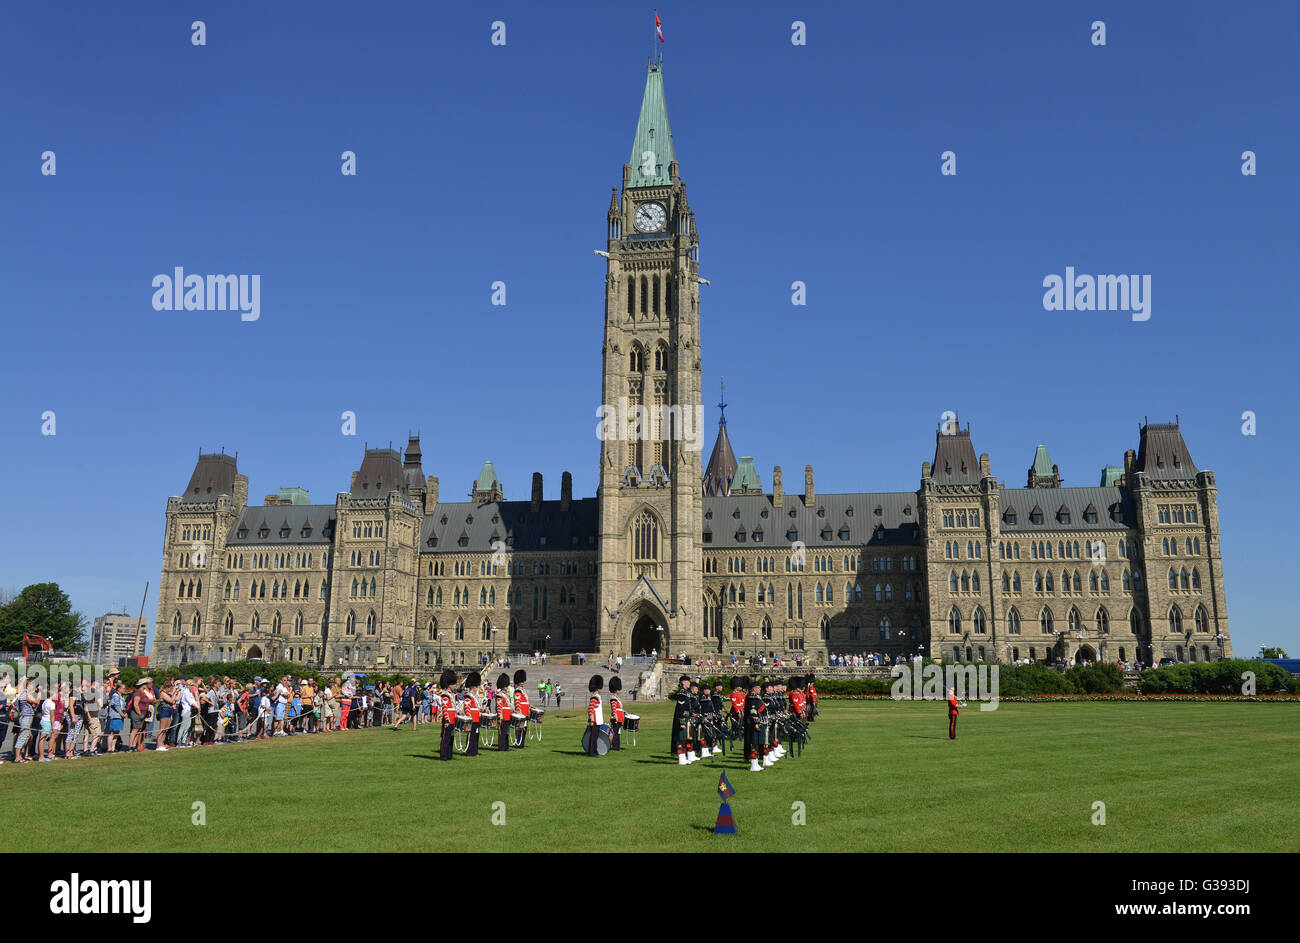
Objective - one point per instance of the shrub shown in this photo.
(1217, 677)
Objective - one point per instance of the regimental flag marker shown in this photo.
(726, 824)
(725, 789)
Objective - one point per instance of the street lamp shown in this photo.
(439, 649)
(495, 630)
(185, 648)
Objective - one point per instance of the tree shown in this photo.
(42, 609)
(1265, 652)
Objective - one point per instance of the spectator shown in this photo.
(116, 711)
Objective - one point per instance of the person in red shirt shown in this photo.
(446, 682)
(595, 713)
(810, 689)
(470, 705)
(522, 711)
(616, 715)
(952, 714)
(797, 700)
(504, 712)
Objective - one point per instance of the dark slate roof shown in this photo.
(722, 465)
(955, 462)
(512, 519)
(1162, 453)
(381, 472)
(898, 517)
(1075, 500)
(213, 475)
(316, 516)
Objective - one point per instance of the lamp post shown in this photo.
(495, 630)
(185, 648)
(1221, 638)
(439, 650)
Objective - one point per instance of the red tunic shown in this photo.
(952, 705)
(448, 709)
(738, 703)
(616, 709)
(472, 708)
(503, 705)
(521, 705)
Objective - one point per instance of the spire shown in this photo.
(1042, 473)
(487, 487)
(722, 404)
(652, 148)
(722, 465)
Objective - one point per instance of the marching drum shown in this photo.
(460, 733)
(603, 734)
(631, 724)
(535, 722)
(487, 731)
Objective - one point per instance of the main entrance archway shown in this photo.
(1085, 653)
(645, 635)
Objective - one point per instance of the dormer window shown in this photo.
(826, 533)
(763, 513)
(757, 536)
(264, 532)
(1010, 517)
(464, 540)
(907, 511)
(821, 512)
(1036, 515)
(740, 536)
(1063, 515)
(444, 519)
(736, 513)
(879, 511)
(306, 530)
(284, 531)
(243, 533)
(848, 511)
(844, 533)
(792, 534)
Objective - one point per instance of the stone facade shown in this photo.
(668, 557)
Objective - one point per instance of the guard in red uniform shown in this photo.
(522, 710)
(446, 682)
(616, 715)
(798, 702)
(595, 713)
(810, 689)
(952, 714)
(472, 710)
(504, 712)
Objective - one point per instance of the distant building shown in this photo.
(117, 635)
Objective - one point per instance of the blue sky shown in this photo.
(479, 163)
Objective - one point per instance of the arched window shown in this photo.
(1183, 580)
(275, 624)
(954, 621)
(977, 618)
(765, 629)
(1013, 622)
(952, 582)
(974, 582)
(460, 629)
(297, 624)
(645, 537)
(352, 623)
(176, 624)
(1175, 620)
(1202, 620)
(884, 628)
(1045, 621)
(1173, 579)
(230, 623)
(1015, 582)
(1196, 578)
(1103, 621)
(1073, 620)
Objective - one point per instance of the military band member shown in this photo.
(738, 695)
(699, 741)
(681, 721)
(754, 722)
(522, 711)
(811, 695)
(952, 714)
(719, 716)
(616, 715)
(446, 682)
(504, 713)
(769, 723)
(473, 712)
(595, 713)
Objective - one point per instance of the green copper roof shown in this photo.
(1110, 475)
(295, 496)
(746, 479)
(652, 148)
(1042, 462)
(487, 478)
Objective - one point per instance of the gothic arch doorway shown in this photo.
(1085, 653)
(254, 652)
(645, 635)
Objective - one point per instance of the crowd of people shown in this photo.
(93, 718)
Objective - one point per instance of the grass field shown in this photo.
(877, 777)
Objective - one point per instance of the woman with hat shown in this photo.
(139, 712)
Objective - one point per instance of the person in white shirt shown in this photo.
(281, 699)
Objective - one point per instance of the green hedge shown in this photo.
(1217, 677)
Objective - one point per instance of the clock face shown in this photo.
(650, 217)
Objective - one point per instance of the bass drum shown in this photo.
(603, 733)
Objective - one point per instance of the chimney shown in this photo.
(925, 470)
(537, 492)
(984, 464)
(1130, 461)
(566, 491)
(809, 495)
(778, 493)
(352, 486)
(271, 500)
(431, 494)
(241, 491)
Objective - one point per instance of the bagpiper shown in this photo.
(503, 711)
(754, 724)
(595, 713)
(473, 711)
(446, 682)
(681, 720)
(616, 715)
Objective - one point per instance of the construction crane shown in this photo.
(38, 642)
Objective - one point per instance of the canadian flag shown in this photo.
(659, 27)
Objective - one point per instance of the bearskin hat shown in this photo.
(472, 680)
(503, 680)
(595, 684)
(447, 678)
(736, 682)
(795, 682)
(615, 684)
(521, 676)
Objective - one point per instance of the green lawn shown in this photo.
(879, 776)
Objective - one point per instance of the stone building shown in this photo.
(674, 556)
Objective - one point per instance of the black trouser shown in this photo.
(952, 726)
(592, 730)
(614, 740)
(445, 748)
(503, 742)
(472, 749)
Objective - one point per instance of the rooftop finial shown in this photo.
(722, 403)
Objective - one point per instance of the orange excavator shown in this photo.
(38, 642)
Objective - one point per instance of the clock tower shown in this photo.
(649, 579)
